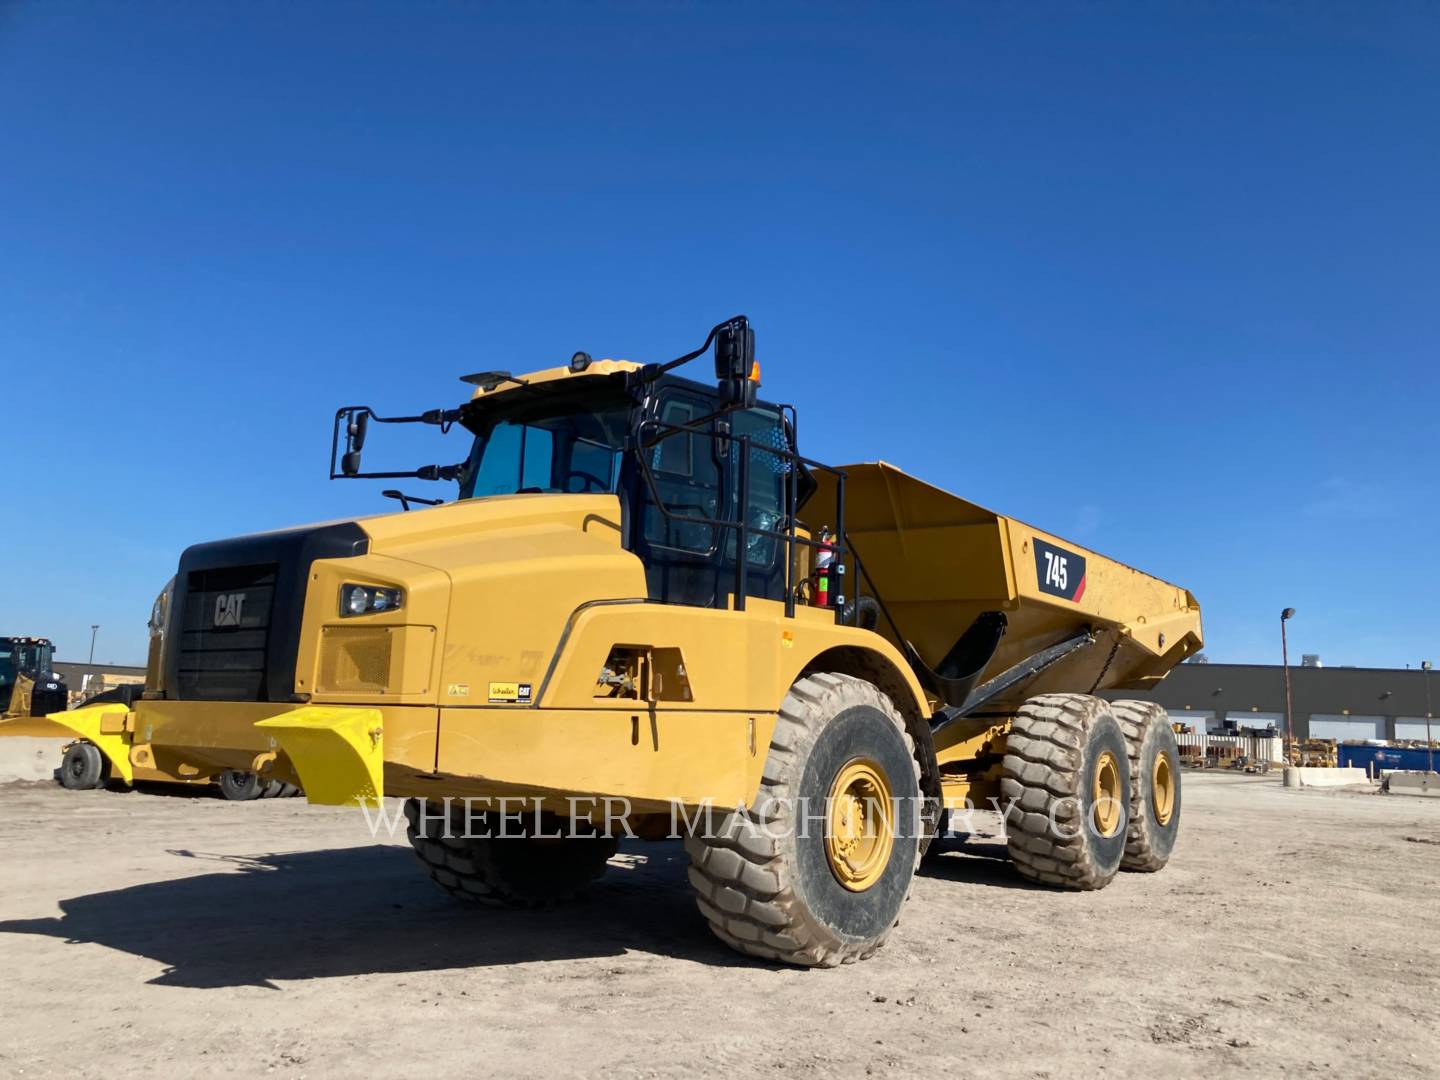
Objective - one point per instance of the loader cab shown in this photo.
(33, 658)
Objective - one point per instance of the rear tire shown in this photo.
(1155, 782)
(241, 786)
(82, 768)
(809, 875)
(1066, 785)
(504, 871)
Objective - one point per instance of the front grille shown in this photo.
(225, 633)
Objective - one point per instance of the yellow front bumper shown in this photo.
(338, 752)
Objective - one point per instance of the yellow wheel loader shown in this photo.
(33, 702)
(84, 766)
(646, 612)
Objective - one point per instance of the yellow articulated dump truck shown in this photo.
(646, 612)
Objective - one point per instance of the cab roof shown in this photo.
(499, 382)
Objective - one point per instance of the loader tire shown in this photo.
(1066, 787)
(501, 871)
(1155, 783)
(803, 876)
(82, 768)
(278, 789)
(240, 786)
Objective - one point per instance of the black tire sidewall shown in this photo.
(860, 731)
(82, 767)
(1159, 739)
(1106, 852)
(240, 791)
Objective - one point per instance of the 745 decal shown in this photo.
(1059, 572)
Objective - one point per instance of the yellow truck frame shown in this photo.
(594, 647)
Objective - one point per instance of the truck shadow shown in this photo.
(363, 910)
(973, 860)
(368, 910)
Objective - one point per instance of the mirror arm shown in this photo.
(651, 372)
(356, 418)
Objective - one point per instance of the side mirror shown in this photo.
(736, 372)
(356, 425)
(734, 350)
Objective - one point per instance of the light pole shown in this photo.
(1286, 616)
(1429, 743)
(94, 629)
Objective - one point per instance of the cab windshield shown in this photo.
(28, 659)
(566, 440)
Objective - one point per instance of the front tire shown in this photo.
(1066, 784)
(815, 873)
(82, 768)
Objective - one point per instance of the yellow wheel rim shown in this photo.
(1108, 797)
(860, 831)
(1162, 789)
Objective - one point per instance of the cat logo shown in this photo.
(228, 607)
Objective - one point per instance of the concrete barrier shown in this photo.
(1316, 777)
(1413, 783)
(24, 758)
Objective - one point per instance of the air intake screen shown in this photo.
(355, 659)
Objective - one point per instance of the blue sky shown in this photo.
(1162, 279)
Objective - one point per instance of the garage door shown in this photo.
(1346, 728)
(1413, 727)
(1199, 719)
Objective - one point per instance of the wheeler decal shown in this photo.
(509, 693)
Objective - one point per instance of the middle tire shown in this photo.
(816, 871)
(1066, 783)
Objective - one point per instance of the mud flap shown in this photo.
(338, 752)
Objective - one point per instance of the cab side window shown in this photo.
(765, 506)
(687, 479)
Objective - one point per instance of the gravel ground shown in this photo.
(1294, 932)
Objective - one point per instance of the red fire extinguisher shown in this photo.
(824, 559)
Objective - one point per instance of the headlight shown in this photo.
(369, 599)
(160, 611)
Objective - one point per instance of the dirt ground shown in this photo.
(142, 934)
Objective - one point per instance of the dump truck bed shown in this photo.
(939, 563)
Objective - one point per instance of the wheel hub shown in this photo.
(1162, 789)
(860, 831)
(1107, 796)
